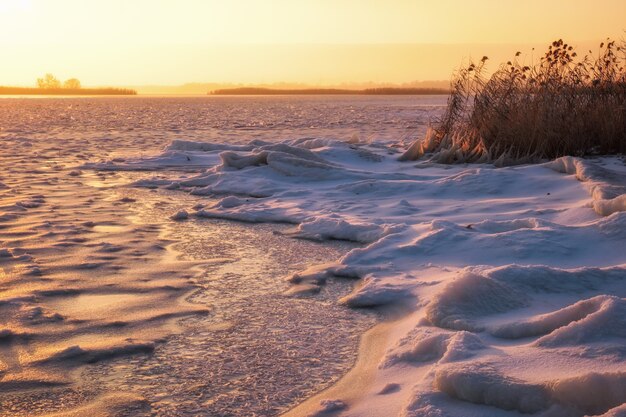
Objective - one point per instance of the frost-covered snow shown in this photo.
(514, 278)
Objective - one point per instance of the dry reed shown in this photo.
(562, 105)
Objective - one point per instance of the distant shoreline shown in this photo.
(328, 91)
(67, 91)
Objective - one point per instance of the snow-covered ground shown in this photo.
(503, 288)
(512, 279)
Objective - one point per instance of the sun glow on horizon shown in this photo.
(160, 41)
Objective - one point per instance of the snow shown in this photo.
(605, 207)
(591, 393)
(328, 406)
(427, 345)
(323, 228)
(608, 187)
(478, 383)
(596, 319)
(512, 280)
(619, 411)
(180, 215)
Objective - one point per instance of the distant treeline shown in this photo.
(330, 91)
(67, 91)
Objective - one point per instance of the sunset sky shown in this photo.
(123, 42)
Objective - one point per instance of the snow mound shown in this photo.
(295, 151)
(472, 295)
(323, 228)
(318, 274)
(607, 186)
(539, 279)
(428, 345)
(585, 170)
(462, 345)
(499, 243)
(482, 384)
(284, 159)
(374, 292)
(217, 183)
(596, 319)
(315, 143)
(504, 226)
(606, 207)
(478, 292)
(296, 166)
(424, 347)
(592, 393)
(600, 314)
(234, 160)
(180, 215)
(328, 406)
(244, 210)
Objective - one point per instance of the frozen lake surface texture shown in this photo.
(264, 256)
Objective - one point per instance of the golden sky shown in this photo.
(131, 42)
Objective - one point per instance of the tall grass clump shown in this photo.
(562, 105)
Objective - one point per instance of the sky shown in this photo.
(134, 42)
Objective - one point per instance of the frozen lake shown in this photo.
(92, 319)
(223, 256)
(223, 118)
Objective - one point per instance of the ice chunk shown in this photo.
(239, 161)
(180, 215)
